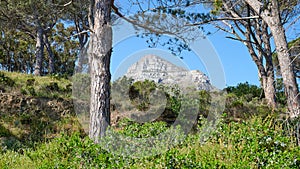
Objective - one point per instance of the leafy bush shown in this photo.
(260, 141)
(6, 83)
(256, 143)
(120, 95)
(143, 130)
(139, 94)
(30, 82)
(280, 95)
(28, 90)
(246, 91)
(5, 80)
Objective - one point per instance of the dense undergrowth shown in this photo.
(249, 135)
(53, 86)
(256, 143)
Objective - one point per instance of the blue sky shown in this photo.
(233, 56)
(229, 58)
(237, 63)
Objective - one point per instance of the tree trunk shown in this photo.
(80, 62)
(82, 38)
(39, 53)
(288, 76)
(266, 74)
(270, 92)
(272, 17)
(51, 55)
(267, 83)
(99, 56)
(258, 43)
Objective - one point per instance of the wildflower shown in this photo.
(269, 139)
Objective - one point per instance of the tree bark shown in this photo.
(99, 56)
(272, 17)
(266, 79)
(51, 55)
(39, 53)
(269, 88)
(266, 73)
(267, 83)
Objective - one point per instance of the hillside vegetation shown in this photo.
(39, 129)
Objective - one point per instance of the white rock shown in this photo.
(155, 68)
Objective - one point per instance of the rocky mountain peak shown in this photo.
(155, 68)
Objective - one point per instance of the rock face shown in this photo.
(155, 68)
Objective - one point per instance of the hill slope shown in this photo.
(155, 68)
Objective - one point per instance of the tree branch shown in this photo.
(135, 23)
(293, 22)
(82, 32)
(67, 4)
(238, 39)
(222, 19)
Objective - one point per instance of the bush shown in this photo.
(30, 82)
(6, 83)
(256, 143)
(139, 94)
(246, 91)
(28, 90)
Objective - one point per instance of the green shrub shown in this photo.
(258, 140)
(28, 90)
(280, 94)
(139, 94)
(255, 143)
(53, 87)
(30, 82)
(246, 91)
(6, 83)
(144, 130)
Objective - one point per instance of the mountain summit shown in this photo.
(155, 68)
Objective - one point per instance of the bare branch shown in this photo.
(293, 22)
(222, 19)
(238, 39)
(67, 4)
(83, 32)
(145, 26)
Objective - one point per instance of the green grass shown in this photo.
(39, 137)
(34, 109)
(40, 86)
(256, 143)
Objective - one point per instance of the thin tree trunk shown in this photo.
(266, 73)
(289, 80)
(8, 60)
(272, 17)
(51, 55)
(267, 83)
(270, 92)
(39, 53)
(79, 62)
(99, 56)
(82, 61)
(258, 45)
(82, 38)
